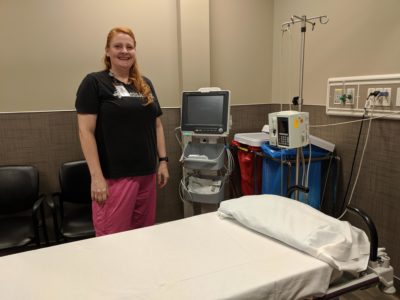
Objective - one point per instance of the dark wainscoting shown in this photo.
(46, 139)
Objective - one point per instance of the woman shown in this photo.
(121, 135)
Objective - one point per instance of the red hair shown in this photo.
(134, 74)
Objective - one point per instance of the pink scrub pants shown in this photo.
(131, 204)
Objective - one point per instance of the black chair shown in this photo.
(72, 206)
(21, 208)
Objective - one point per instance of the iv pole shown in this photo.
(285, 27)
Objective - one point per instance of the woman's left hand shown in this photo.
(162, 174)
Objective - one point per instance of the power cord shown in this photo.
(368, 104)
(176, 132)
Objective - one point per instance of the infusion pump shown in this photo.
(288, 129)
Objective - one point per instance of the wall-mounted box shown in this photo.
(348, 95)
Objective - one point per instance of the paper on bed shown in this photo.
(336, 242)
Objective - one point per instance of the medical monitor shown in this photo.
(205, 113)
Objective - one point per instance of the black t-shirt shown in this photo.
(125, 129)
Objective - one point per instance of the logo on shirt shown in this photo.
(121, 91)
(136, 95)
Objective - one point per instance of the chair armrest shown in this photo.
(53, 201)
(38, 203)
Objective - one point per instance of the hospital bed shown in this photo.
(209, 256)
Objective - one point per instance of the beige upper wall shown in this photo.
(194, 43)
(48, 46)
(361, 38)
(241, 48)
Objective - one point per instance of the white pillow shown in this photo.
(336, 242)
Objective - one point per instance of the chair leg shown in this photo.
(56, 228)
(44, 225)
(36, 230)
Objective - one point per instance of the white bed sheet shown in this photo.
(338, 243)
(202, 257)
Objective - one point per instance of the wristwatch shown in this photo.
(165, 158)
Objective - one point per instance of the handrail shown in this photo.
(373, 255)
(297, 188)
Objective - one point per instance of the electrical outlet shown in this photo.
(398, 97)
(370, 91)
(381, 100)
(342, 100)
(386, 100)
(350, 94)
(370, 97)
(377, 100)
(336, 96)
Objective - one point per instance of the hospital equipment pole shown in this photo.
(301, 76)
(285, 26)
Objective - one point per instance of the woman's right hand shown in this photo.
(87, 127)
(99, 190)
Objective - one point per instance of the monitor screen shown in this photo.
(283, 125)
(205, 112)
